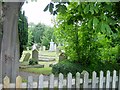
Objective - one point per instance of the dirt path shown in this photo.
(35, 76)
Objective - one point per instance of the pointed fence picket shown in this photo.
(78, 82)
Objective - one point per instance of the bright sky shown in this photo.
(34, 12)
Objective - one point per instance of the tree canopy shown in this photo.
(41, 34)
(90, 30)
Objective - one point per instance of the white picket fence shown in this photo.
(81, 81)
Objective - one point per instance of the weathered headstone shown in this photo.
(26, 57)
(40, 49)
(44, 48)
(62, 56)
(55, 47)
(35, 54)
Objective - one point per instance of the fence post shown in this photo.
(60, 82)
(119, 81)
(41, 82)
(108, 79)
(101, 79)
(18, 82)
(114, 80)
(69, 81)
(94, 79)
(86, 80)
(30, 83)
(6, 83)
(77, 81)
(51, 82)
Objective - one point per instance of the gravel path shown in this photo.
(35, 76)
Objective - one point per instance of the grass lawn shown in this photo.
(44, 71)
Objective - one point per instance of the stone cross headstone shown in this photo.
(26, 57)
(35, 54)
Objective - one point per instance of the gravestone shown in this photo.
(34, 46)
(62, 56)
(40, 49)
(44, 48)
(26, 57)
(51, 46)
(35, 54)
(55, 47)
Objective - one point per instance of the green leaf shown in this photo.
(90, 24)
(95, 21)
(46, 8)
(96, 9)
(51, 6)
(108, 29)
(103, 27)
(92, 8)
(98, 28)
(86, 10)
(61, 8)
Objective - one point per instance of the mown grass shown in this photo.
(44, 71)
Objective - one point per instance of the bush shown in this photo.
(33, 62)
(65, 67)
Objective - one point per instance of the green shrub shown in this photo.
(66, 66)
(33, 62)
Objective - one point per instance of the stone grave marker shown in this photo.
(35, 54)
(26, 57)
(51, 46)
(62, 56)
(44, 48)
(55, 47)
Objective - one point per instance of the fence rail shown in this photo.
(80, 81)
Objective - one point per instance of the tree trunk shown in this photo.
(0, 40)
(10, 41)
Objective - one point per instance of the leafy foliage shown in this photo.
(88, 31)
(66, 66)
(33, 62)
(41, 34)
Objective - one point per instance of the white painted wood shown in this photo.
(30, 83)
(108, 79)
(85, 80)
(40, 83)
(109, 82)
(1, 86)
(69, 81)
(77, 81)
(101, 79)
(6, 82)
(119, 81)
(114, 79)
(51, 81)
(60, 82)
(94, 80)
(18, 82)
